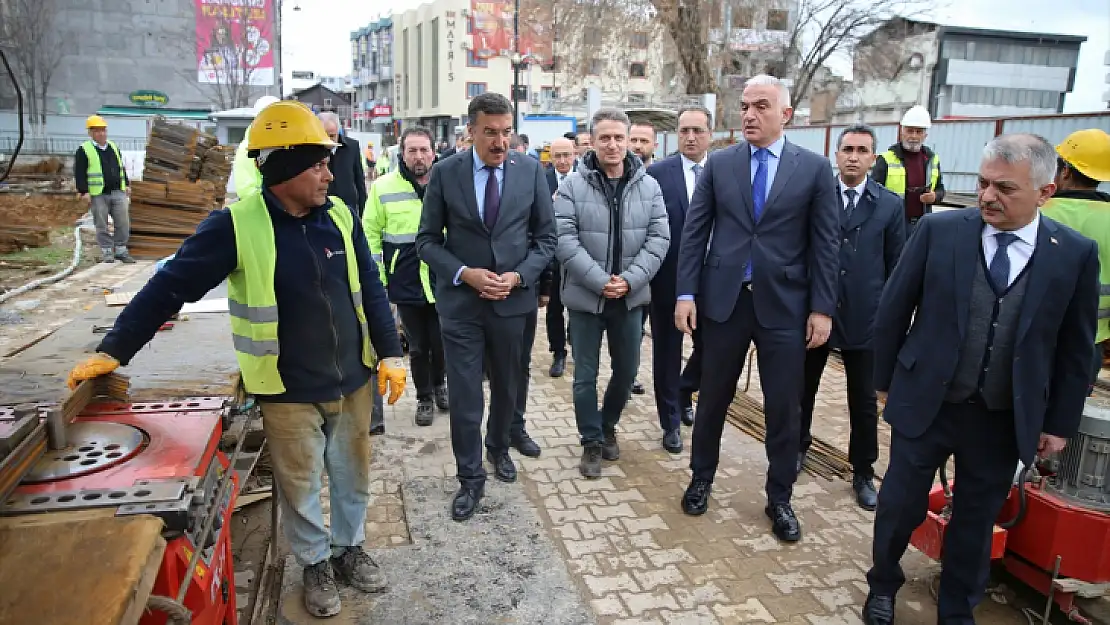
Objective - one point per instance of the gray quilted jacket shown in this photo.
(585, 223)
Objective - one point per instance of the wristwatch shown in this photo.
(519, 280)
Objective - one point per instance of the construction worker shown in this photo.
(367, 158)
(310, 322)
(910, 169)
(102, 182)
(244, 172)
(391, 220)
(1084, 162)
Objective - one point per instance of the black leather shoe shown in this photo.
(441, 398)
(866, 495)
(503, 467)
(878, 610)
(558, 366)
(672, 442)
(638, 388)
(466, 502)
(696, 500)
(425, 412)
(525, 445)
(688, 415)
(590, 465)
(377, 430)
(610, 449)
(783, 522)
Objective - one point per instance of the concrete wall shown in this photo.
(115, 47)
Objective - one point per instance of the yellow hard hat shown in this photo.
(95, 121)
(1089, 152)
(286, 124)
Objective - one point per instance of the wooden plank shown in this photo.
(122, 298)
(79, 571)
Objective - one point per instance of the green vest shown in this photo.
(391, 221)
(252, 302)
(1091, 219)
(896, 173)
(96, 173)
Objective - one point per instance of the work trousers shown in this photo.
(985, 446)
(863, 412)
(114, 205)
(624, 328)
(421, 324)
(556, 320)
(306, 441)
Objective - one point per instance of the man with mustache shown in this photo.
(910, 169)
(983, 339)
(310, 322)
(872, 233)
(487, 231)
(391, 221)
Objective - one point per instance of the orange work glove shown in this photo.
(391, 375)
(93, 367)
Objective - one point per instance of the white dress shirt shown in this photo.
(688, 172)
(1019, 252)
(844, 195)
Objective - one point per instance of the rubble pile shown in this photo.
(185, 177)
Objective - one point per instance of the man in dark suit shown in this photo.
(768, 276)
(983, 340)
(677, 176)
(487, 231)
(872, 231)
(349, 182)
(562, 160)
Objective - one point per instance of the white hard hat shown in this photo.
(263, 102)
(917, 117)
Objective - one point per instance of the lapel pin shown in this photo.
(1053, 241)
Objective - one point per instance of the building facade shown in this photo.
(958, 72)
(372, 77)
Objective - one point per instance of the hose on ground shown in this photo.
(176, 613)
(34, 284)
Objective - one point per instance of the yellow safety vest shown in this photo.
(248, 180)
(391, 221)
(1091, 219)
(252, 302)
(896, 173)
(96, 173)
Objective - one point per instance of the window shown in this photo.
(470, 25)
(985, 51)
(778, 19)
(1062, 57)
(637, 70)
(997, 96)
(475, 89)
(435, 62)
(548, 94)
(743, 17)
(553, 64)
(405, 65)
(636, 98)
(595, 67)
(475, 61)
(639, 41)
(419, 66)
(327, 101)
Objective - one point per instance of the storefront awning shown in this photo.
(144, 111)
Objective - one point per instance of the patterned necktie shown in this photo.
(1000, 264)
(697, 172)
(851, 206)
(759, 197)
(493, 198)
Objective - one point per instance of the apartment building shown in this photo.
(958, 72)
(372, 77)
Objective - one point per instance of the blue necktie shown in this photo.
(1000, 264)
(493, 198)
(759, 196)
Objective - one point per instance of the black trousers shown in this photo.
(781, 358)
(421, 324)
(986, 453)
(672, 384)
(863, 412)
(469, 344)
(516, 428)
(556, 319)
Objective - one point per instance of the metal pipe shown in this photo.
(1051, 591)
(55, 429)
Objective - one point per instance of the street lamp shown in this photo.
(516, 61)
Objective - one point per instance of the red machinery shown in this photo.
(1054, 531)
(161, 459)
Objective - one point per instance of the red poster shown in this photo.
(234, 41)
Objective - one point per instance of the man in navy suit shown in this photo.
(677, 175)
(562, 160)
(872, 231)
(768, 276)
(983, 339)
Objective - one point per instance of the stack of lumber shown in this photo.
(16, 237)
(184, 177)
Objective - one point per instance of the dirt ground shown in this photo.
(57, 212)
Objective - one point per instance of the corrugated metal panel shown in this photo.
(960, 148)
(1055, 129)
(808, 137)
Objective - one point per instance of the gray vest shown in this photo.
(985, 369)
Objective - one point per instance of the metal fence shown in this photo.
(958, 143)
(58, 145)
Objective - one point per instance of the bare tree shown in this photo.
(687, 23)
(230, 59)
(30, 37)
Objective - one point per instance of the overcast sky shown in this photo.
(317, 38)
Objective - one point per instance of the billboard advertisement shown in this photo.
(234, 42)
(492, 31)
